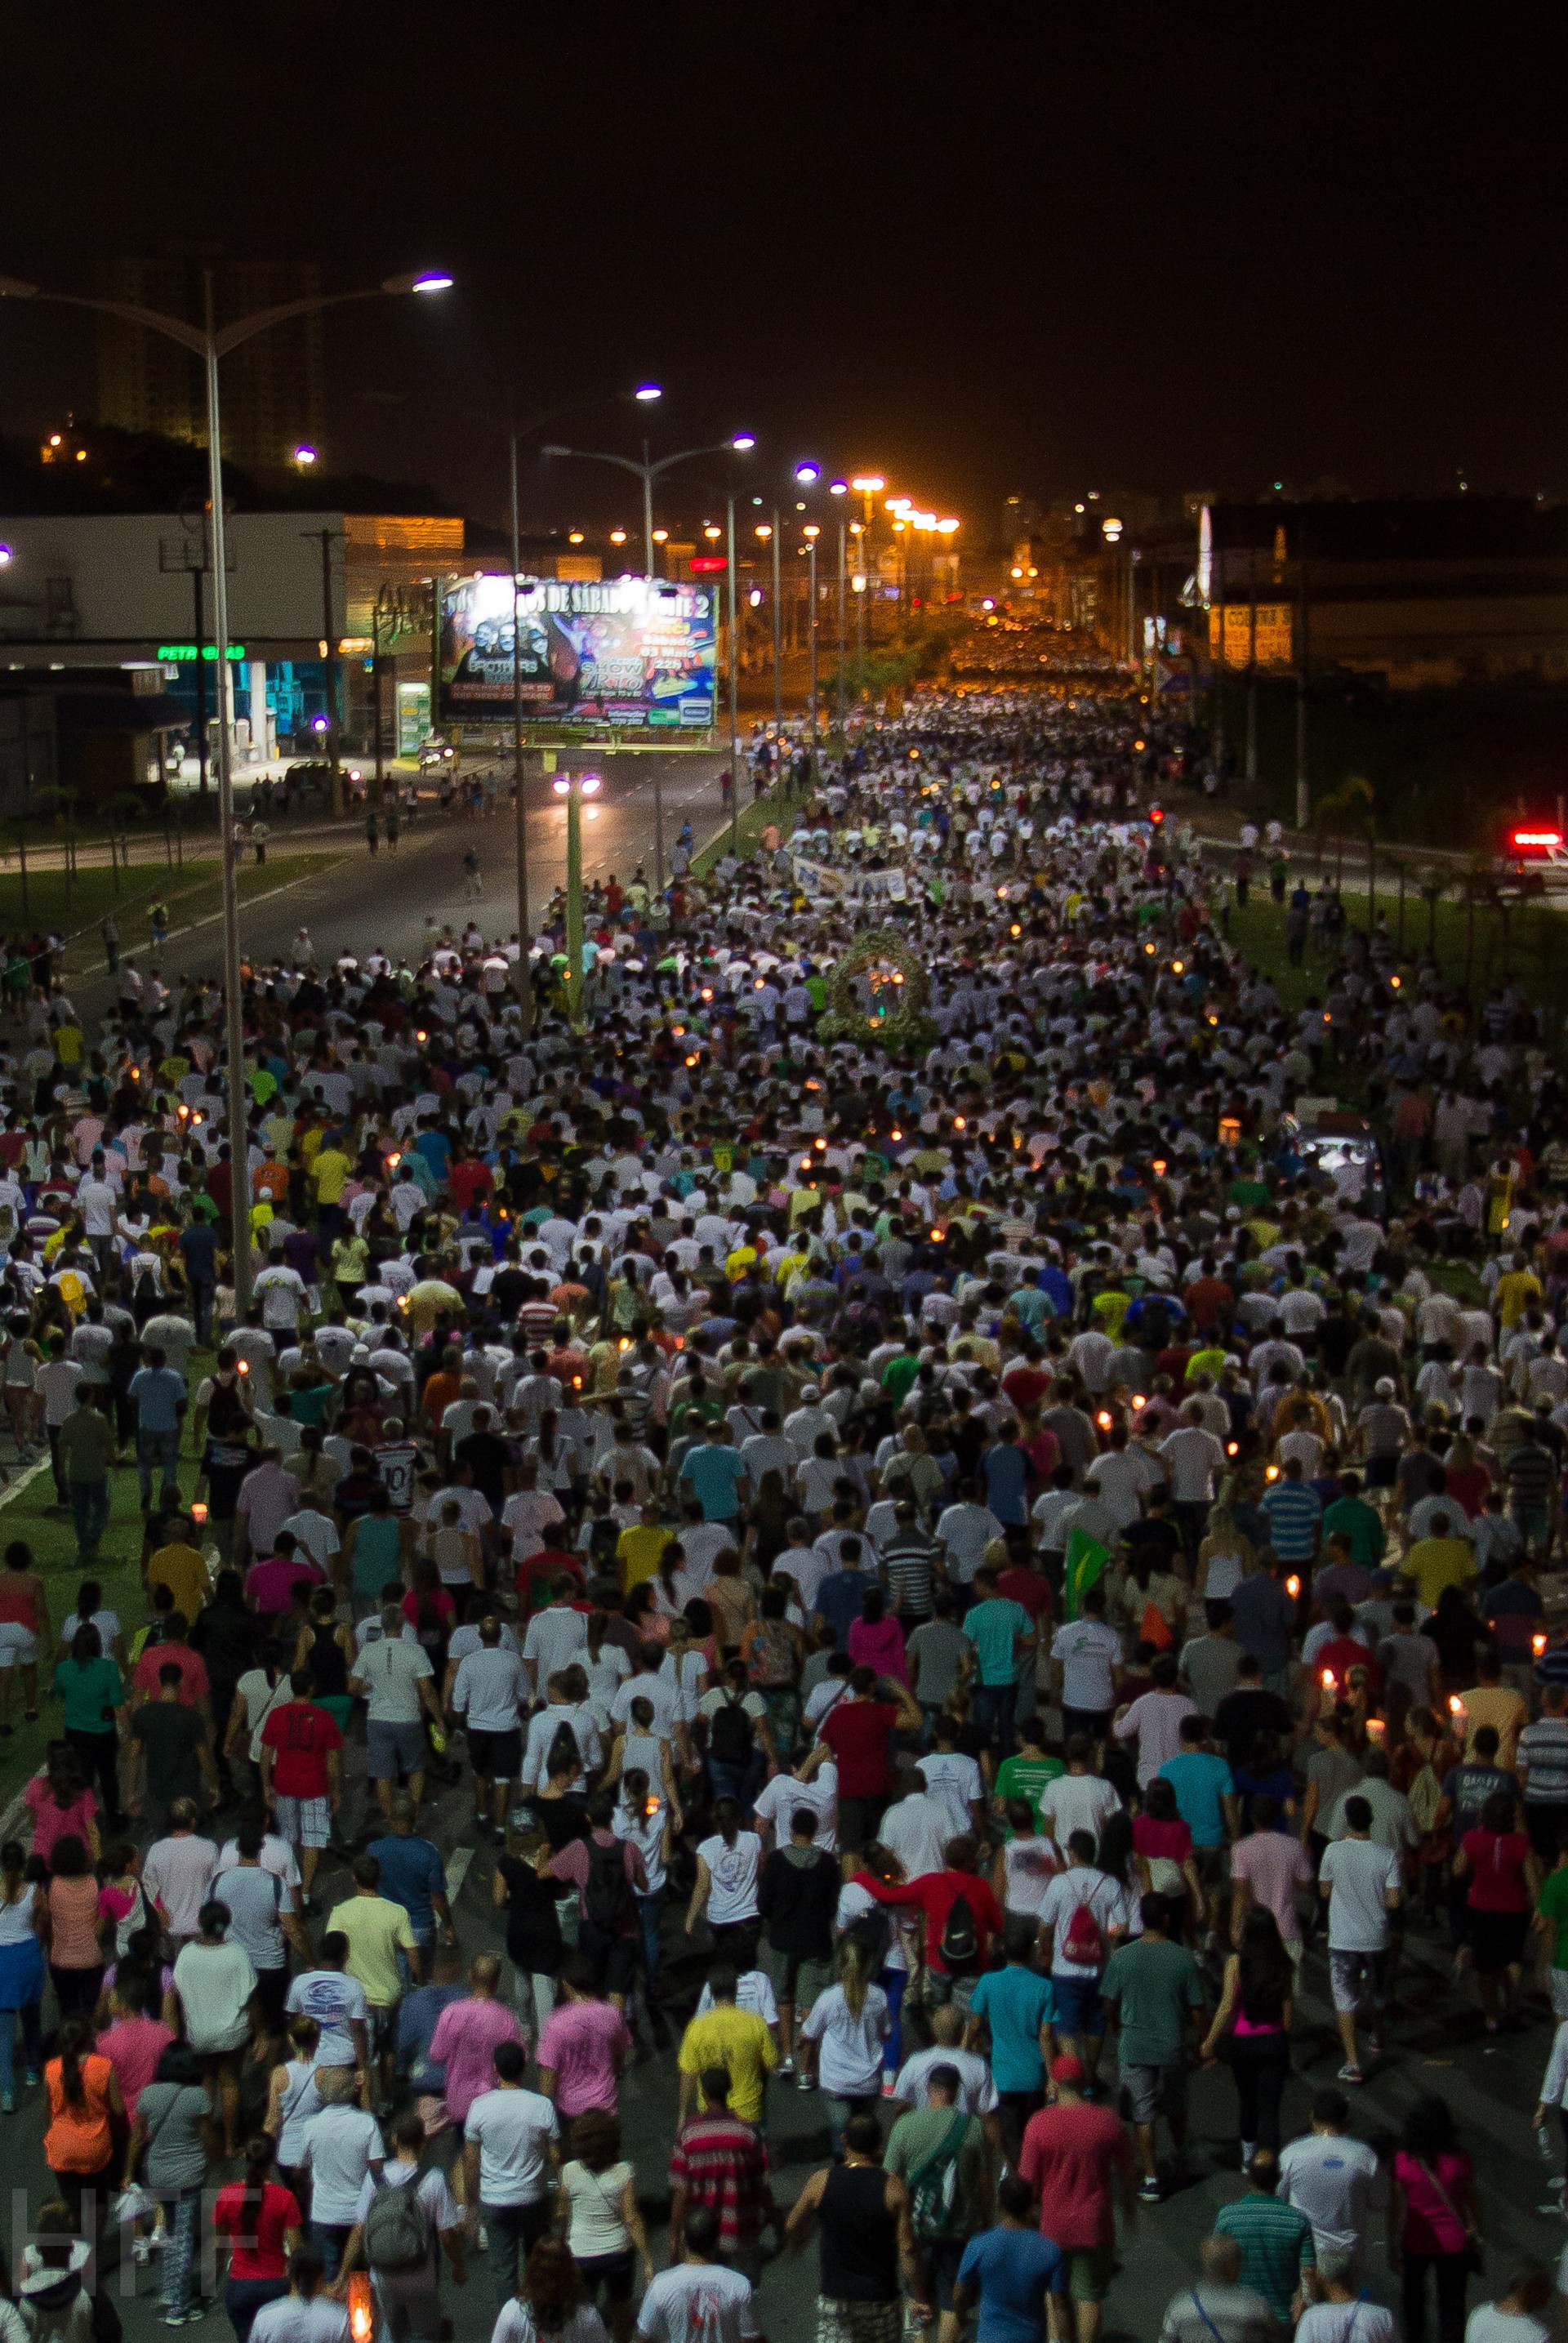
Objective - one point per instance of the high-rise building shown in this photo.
(272, 401)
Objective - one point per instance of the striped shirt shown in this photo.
(1276, 2243)
(1293, 1515)
(907, 1558)
(720, 2162)
(1543, 1750)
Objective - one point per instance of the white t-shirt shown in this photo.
(512, 2127)
(733, 1871)
(1029, 1866)
(753, 1992)
(1088, 1650)
(489, 1691)
(336, 2001)
(1191, 1457)
(554, 1638)
(956, 1779)
(1360, 1872)
(977, 2088)
(1369, 2322)
(440, 2206)
(1491, 2324)
(966, 1531)
(917, 1830)
(1077, 1802)
(290, 2319)
(214, 1983)
(1337, 2182)
(339, 2145)
(1110, 1903)
(391, 1674)
(784, 1796)
(850, 2052)
(701, 2302)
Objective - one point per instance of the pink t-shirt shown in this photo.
(1273, 1867)
(50, 1825)
(133, 2046)
(879, 1645)
(581, 2044)
(467, 2034)
(1431, 2225)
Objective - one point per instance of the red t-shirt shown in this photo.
(1025, 1386)
(857, 1732)
(193, 1681)
(1343, 1654)
(1173, 1841)
(278, 2211)
(1497, 1861)
(1029, 1589)
(1069, 2155)
(302, 1737)
(935, 1895)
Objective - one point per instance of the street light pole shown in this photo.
(811, 627)
(839, 695)
(520, 795)
(574, 786)
(778, 636)
(734, 683)
(210, 344)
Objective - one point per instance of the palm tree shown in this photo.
(1431, 887)
(1354, 806)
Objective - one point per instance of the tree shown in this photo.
(1353, 806)
(1432, 885)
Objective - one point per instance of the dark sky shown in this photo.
(976, 247)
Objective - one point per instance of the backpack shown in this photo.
(1426, 1797)
(1083, 1944)
(729, 1736)
(397, 2228)
(607, 1899)
(959, 1944)
(1154, 1628)
(933, 2186)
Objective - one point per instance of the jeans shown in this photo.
(650, 1917)
(156, 1448)
(62, 1490)
(859, 1821)
(1259, 2063)
(243, 2297)
(90, 1505)
(535, 2000)
(1452, 2272)
(202, 1295)
(180, 2211)
(329, 2237)
(995, 1708)
(32, 2044)
(838, 2113)
(892, 1982)
(513, 2230)
(739, 1782)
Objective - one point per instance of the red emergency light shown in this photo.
(706, 565)
(1537, 838)
(1156, 813)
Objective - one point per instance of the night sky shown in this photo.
(975, 248)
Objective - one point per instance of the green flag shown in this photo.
(1086, 1559)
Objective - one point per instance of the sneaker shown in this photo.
(31, 2078)
(804, 2082)
(1149, 2192)
(1351, 2075)
(888, 2084)
(8, 2103)
(785, 2068)
(141, 2251)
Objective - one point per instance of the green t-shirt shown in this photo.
(1554, 1906)
(1155, 1982)
(1361, 1526)
(1026, 1777)
(922, 2135)
(991, 1627)
(898, 1376)
(87, 1687)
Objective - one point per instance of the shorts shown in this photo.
(795, 1977)
(1557, 1987)
(859, 2322)
(1354, 1974)
(1381, 1469)
(18, 1645)
(1154, 2091)
(388, 1746)
(1213, 1865)
(614, 2272)
(495, 1756)
(1079, 2010)
(1090, 2271)
(304, 1822)
(1497, 1940)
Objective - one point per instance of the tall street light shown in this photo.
(210, 343)
(648, 470)
(574, 788)
(840, 489)
(645, 395)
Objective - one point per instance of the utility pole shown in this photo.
(1304, 793)
(1251, 667)
(734, 685)
(778, 635)
(811, 629)
(840, 694)
(1219, 669)
(324, 538)
(520, 795)
(200, 646)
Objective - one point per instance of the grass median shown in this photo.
(187, 895)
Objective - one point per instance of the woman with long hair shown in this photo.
(1226, 1554)
(684, 1665)
(1503, 1875)
(549, 2307)
(76, 1953)
(841, 2039)
(885, 1933)
(84, 2105)
(93, 1691)
(260, 2224)
(1434, 2221)
(559, 1810)
(292, 2098)
(172, 2133)
(22, 1921)
(326, 1652)
(728, 1864)
(599, 2219)
(732, 1600)
(1253, 2025)
(774, 1651)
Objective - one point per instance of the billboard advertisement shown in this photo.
(627, 653)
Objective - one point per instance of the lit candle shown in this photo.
(1294, 1588)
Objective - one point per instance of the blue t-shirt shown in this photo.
(411, 1870)
(1199, 1781)
(713, 1472)
(157, 1392)
(1013, 2271)
(1015, 2003)
(841, 1600)
(1005, 1469)
(991, 1627)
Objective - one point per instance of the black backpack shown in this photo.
(729, 1735)
(960, 1938)
(607, 1899)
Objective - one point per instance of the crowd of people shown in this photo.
(913, 1503)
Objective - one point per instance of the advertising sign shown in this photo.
(413, 717)
(1275, 644)
(624, 654)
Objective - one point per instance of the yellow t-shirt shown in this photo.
(181, 1569)
(1505, 1710)
(332, 1168)
(640, 1550)
(375, 1927)
(1435, 1563)
(739, 2041)
(1516, 1291)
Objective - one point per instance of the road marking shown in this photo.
(457, 1871)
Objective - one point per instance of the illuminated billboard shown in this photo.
(626, 653)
